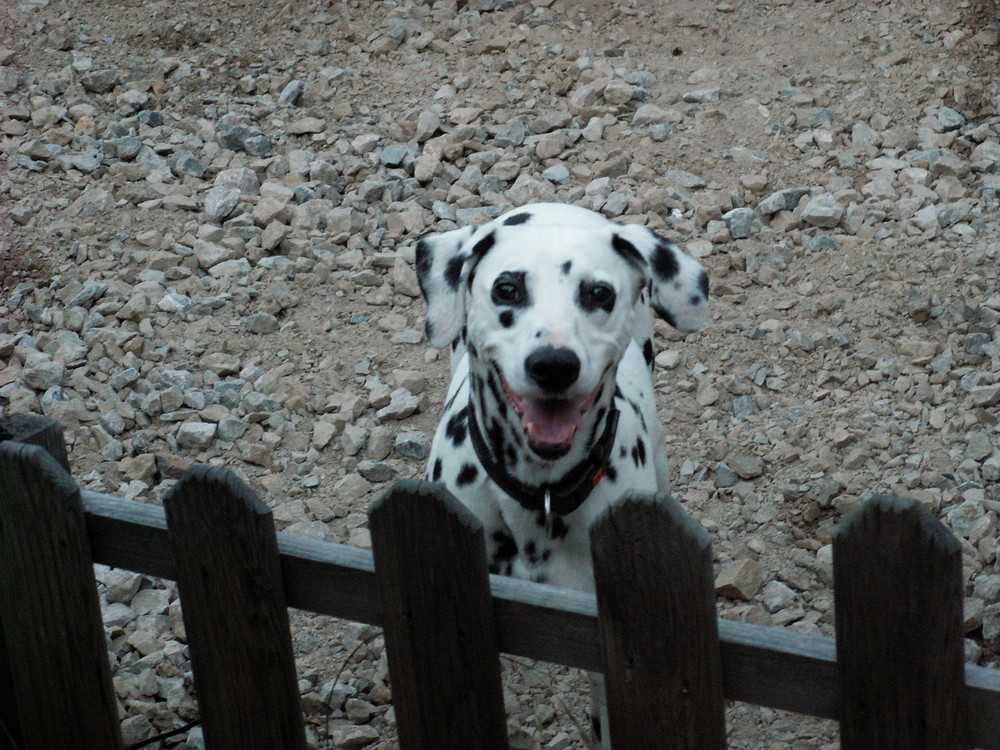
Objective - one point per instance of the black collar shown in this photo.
(563, 497)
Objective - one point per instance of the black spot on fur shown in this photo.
(436, 471)
(429, 330)
(647, 351)
(483, 246)
(531, 550)
(610, 472)
(638, 412)
(507, 318)
(453, 271)
(451, 400)
(564, 268)
(511, 455)
(522, 218)
(467, 475)
(559, 528)
(627, 251)
(703, 283)
(473, 352)
(540, 578)
(503, 553)
(665, 264)
(424, 258)
(666, 315)
(457, 427)
(639, 453)
(495, 438)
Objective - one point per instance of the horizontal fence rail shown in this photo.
(896, 682)
(761, 665)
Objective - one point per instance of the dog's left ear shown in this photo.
(678, 283)
(441, 261)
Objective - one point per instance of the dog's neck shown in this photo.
(501, 430)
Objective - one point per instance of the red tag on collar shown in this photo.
(598, 476)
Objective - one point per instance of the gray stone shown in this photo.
(823, 211)
(725, 477)
(684, 179)
(782, 200)
(353, 439)
(413, 444)
(196, 435)
(220, 202)
(739, 580)
(376, 471)
(184, 163)
(511, 135)
(402, 405)
(100, 81)
(291, 94)
(822, 242)
(740, 222)
(950, 119)
(744, 407)
(262, 323)
(979, 446)
(210, 254)
(231, 428)
(43, 375)
(182, 380)
(777, 596)
(745, 465)
(87, 162)
(558, 173)
(964, 516)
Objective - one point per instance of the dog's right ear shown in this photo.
(441, 269)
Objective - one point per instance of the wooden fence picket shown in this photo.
(898, 600)
(53, 632)
(655, 597)
(434, 592)
(30, 429)
(229, 577)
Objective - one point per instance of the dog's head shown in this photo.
(547, 295)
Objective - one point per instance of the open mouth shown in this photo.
(550, 424)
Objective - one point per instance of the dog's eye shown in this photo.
(507, 293)
(599, 295)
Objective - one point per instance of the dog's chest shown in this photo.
(524, 542)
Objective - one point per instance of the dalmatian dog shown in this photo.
(550, 415)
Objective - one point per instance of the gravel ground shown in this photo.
(207, 245)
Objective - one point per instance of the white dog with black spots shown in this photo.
(551, 415)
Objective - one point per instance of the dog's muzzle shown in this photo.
(550, 422)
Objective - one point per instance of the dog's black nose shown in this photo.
(554, 370)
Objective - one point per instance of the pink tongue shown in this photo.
(551, 421)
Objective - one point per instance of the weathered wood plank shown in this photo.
(228, 574)
(46, 433)
(766, 666)
(433, 588)
(655, 595)
(779, 668)
(898, 600)
(53, 632)
(32, 429)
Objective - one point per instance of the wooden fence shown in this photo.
(895, 680)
